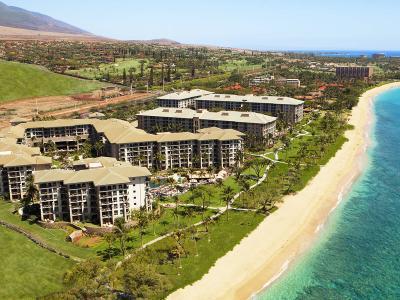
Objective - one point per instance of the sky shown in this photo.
(253, 24)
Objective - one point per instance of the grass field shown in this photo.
(241, 65)
(223, 235)
(53, 237)
(28, 271)
(21, 81)
(115, 69)
(98, 247)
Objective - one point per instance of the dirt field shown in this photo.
(59, 106)
(10, 33)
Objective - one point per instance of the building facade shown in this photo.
(171, 119)
(289, 109)
(17, 163)
(93, 192)
(354, 72)
(119, 139)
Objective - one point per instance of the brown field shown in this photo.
(59, 106)
(11, 33)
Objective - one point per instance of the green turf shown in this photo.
(114, 69)
(240, 64)
(28, 271)
(53, 237)
(224, 234)
(56, 238)
(21, 81)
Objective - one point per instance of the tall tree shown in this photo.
(228, 194)
(121, 232)
(124, 82)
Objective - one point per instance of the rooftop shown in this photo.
(231, 116)
(185, 95)
(251, 99)
(15, 155)
(98, 176)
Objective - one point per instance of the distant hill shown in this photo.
(21, 81)
(165, 42)
(11, 16)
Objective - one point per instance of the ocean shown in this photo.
(357, 255)
(347, 53)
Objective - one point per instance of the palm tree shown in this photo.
(179, 237)
(176, 210)
(121, 232)
(31, 194)
(207, 222)
(193, 231)
(98, 146)
(244, 187)
(109, 238)
(227, 197)
(142, 220)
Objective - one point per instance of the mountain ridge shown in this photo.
(15, 17)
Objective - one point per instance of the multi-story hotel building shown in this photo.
(354, 72)
(182, 149)
(97, 190)
(17, 162)
(182, 99)
(184, 119)
(286, 108)
(289, 109)
(126, 143)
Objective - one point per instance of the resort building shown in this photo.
(17, 162)
(354, 72)
(121, 140)
(97, 190)
(289, 109)
(182, 99)
(208, 147)
(184, 119)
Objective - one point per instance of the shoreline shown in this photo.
(270, 250)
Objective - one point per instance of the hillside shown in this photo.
(21, 81)
(11, 16)
(28, 271)
(11, 33)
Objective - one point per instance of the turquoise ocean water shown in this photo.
(357, 255)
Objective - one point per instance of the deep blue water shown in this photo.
(358, 253)
(348, 53)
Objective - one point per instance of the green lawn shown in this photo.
(214, 198)
(28, 271)
(168, 222)
(222, 237)
(21, 81)
(240, 64)
(53, 237)
(57, 237)
(115, 69)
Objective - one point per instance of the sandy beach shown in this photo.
(268, 251)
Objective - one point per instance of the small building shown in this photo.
(294, 83)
